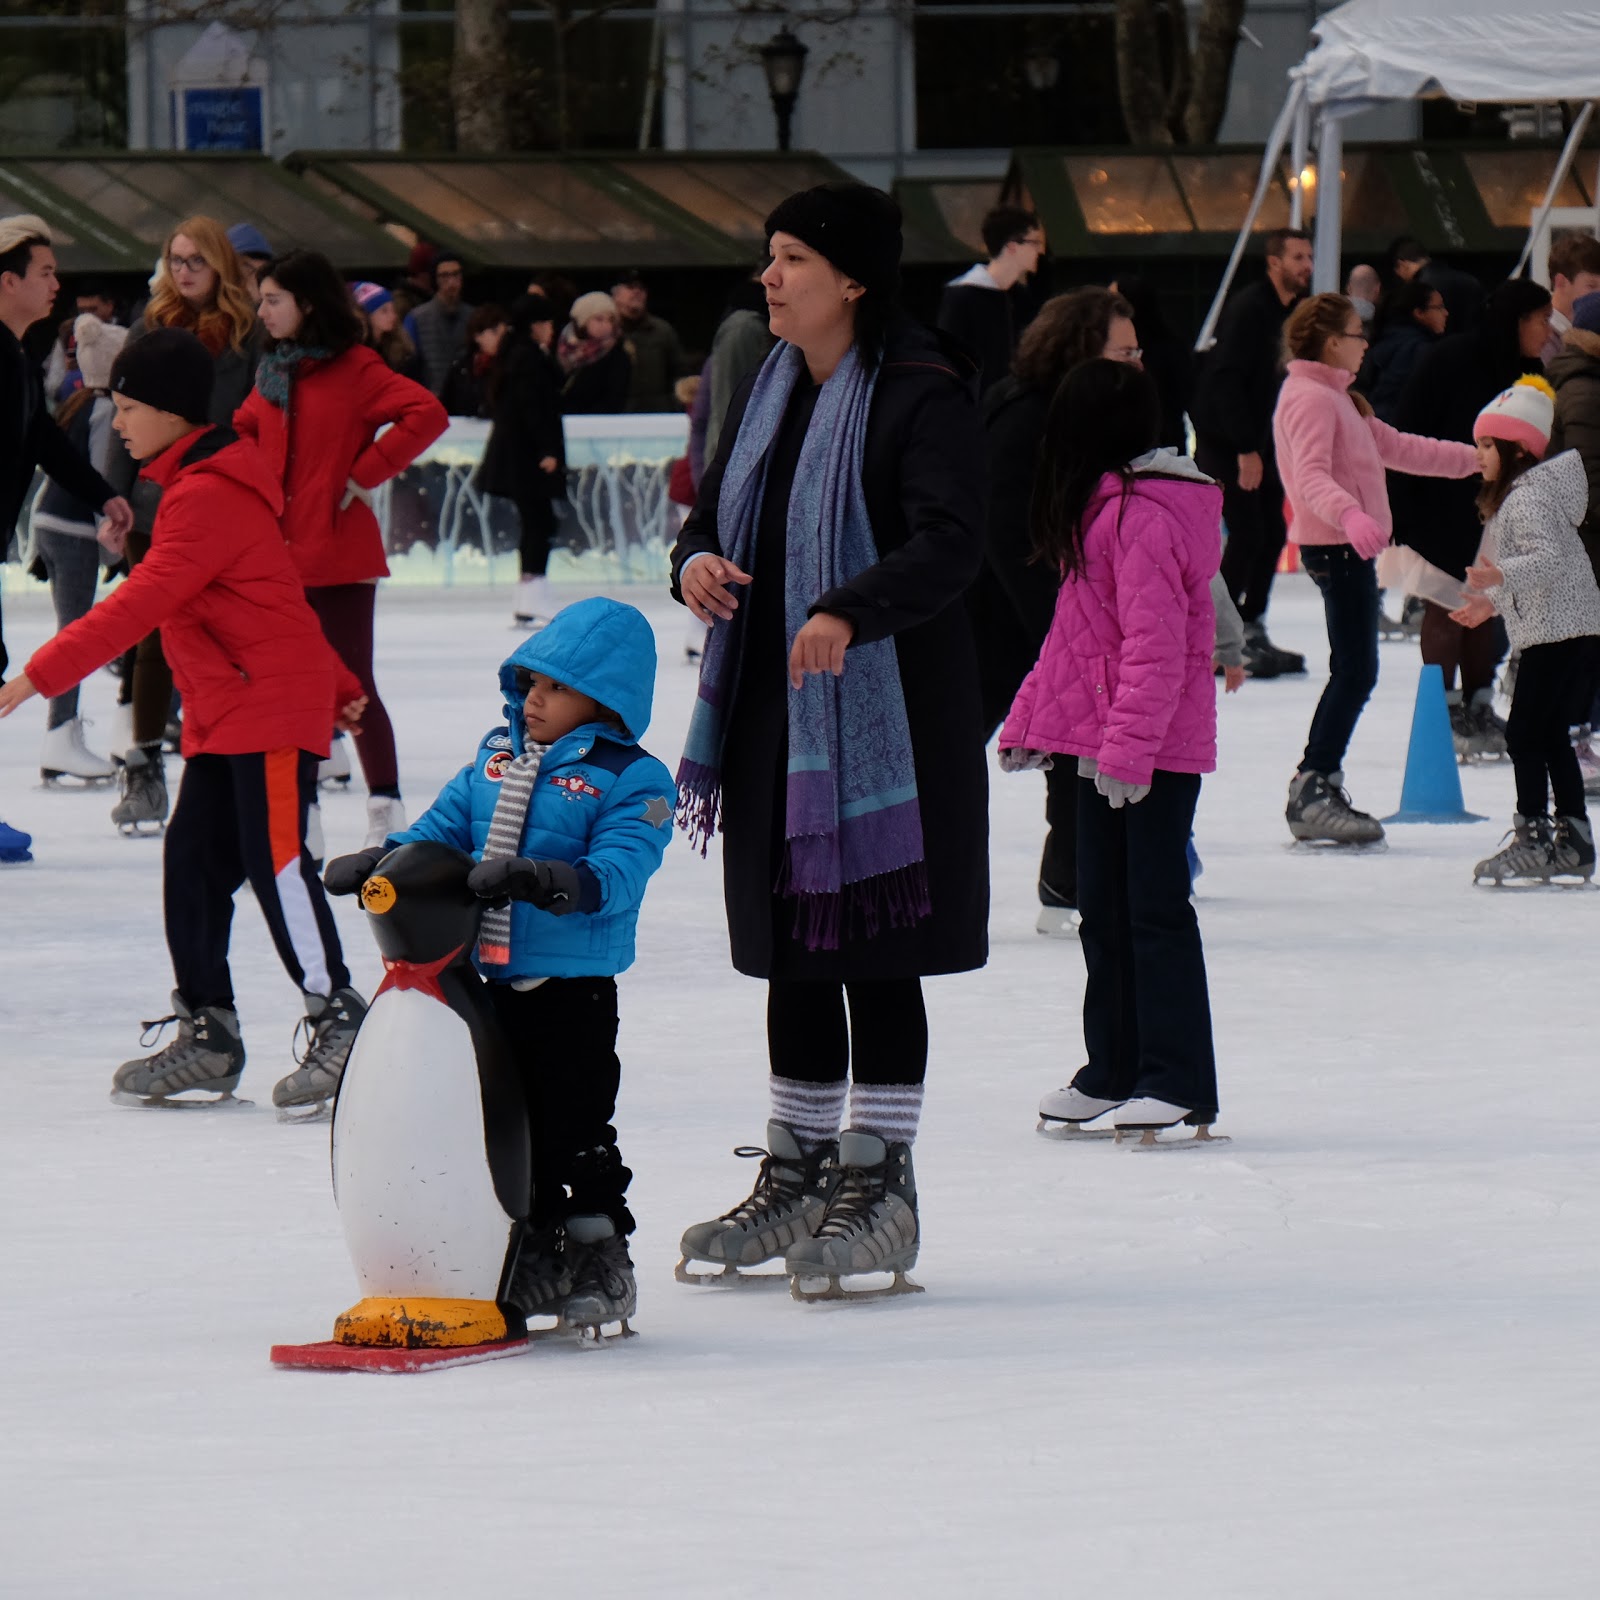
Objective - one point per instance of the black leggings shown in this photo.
(1555, 687)
(886, 1040)
(538, 529)
(345, 611)
(1474, 652)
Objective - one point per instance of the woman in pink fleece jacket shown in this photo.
(1124, 686)
(1332, 452)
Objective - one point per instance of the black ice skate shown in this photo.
(542, 1278)
(1572, 849)
(330, 1024)
(1319, 812)
(143, 806)
(206, 1059)
(603, 1287)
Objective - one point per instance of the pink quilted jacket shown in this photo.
(1125, 674)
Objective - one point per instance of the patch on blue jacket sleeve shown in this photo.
(657, 812)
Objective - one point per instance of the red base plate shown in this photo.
(331, 1356)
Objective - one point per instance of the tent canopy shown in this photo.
(1374, 50)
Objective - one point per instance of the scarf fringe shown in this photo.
(858, 910)
(699, 811)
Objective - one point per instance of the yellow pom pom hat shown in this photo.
(1523, 414)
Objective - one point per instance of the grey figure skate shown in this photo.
(207, 1057)
(1319, 812)
(785, 1206)
(870, 1225)
(143, 806)
(331, 1023)
(603, 1286)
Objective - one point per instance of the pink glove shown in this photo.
(1365, 536)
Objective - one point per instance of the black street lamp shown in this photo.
(783, 59)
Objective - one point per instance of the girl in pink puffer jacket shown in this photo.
(1124, 686)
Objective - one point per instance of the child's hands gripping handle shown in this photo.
(551, 885)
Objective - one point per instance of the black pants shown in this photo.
(538, 521)
(1349, 586)
(564, 1037)
(1555, 688)
(1146, 1013)
(346, 612)
(886, 1040)
(237, 819)
(151, 683)
(1058, 866)
(1256, 531)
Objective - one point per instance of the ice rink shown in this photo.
(1352, 1354)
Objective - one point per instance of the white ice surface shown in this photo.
(1351, 1354)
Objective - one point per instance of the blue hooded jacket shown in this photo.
(600, 801)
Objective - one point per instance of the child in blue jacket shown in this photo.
(569, 818)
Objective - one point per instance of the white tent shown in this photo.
(1372, 51)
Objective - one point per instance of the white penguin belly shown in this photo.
(411, 1174)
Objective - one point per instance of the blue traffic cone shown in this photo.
(1432, 788)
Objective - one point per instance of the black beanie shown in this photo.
(853, 225)
(167, 368)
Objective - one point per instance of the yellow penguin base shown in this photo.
(420, 1324)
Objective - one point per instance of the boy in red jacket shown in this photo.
(262, 692)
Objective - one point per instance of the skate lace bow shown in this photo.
(766, 1185)
(151, 1031)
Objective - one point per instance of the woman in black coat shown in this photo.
(1438, 517)
(525, 459)
(1413, 323)
(833, 1201)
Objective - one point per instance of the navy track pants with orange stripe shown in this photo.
(238, 819)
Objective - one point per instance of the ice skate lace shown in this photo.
(188, 1048)
(323, 1041)
(597, 1268)
(769, 1188)
(850, 1207)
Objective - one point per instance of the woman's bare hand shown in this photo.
(819, 647)
(704, 586)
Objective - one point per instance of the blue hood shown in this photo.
(601, 647)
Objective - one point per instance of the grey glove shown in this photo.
(1019, 759)
(1118, 793)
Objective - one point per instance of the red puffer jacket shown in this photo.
(245, 648)
(327, 436)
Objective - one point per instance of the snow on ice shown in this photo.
(1349, 1354)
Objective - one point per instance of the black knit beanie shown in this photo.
(853, 225)
(169, 369)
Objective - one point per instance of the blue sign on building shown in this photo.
(223, 118)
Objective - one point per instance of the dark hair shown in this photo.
(1500, 333)
(517, 345)
(1279, 237)
(1572, 253)
(1515, 459)
(1406, 248)
(328, 312)
(20, 256)
(1003, 225)
(1069, 330)
(1406, 299)
(74, 403)
(446, 258)
(484, 318)
(93, 289)
(1104, 415)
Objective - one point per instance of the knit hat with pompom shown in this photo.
(1523, 414)
(97, 344)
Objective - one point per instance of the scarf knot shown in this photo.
(278, 369)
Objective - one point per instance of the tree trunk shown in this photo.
(1141, 83)
(1176, 34)
(479, 83)
(1216, 39)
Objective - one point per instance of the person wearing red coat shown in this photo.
(319, 400)
(262, 691)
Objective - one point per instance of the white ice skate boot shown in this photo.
(385, 815)
(1063, 1113)
(1148, 1117)
(207, 1058)
(121, 736)
(870, 1225)
(66, 756)
(787, 1203)
(335, 771)
(535, 608)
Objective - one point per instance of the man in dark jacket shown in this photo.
(977, 309)
(29, 438)
(1237, 394)
(657, 351)
(438, 327)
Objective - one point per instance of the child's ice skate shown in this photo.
(206, 1058)
(603, 1288)
(330, 1025)
(785, 1206)
(1065, 1113)
(1149, 1118)
(541, 1280)
(870, 1226)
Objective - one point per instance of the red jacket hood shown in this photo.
(218, 451)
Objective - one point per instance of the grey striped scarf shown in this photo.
(505, 839)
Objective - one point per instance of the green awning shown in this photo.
(83, 241)
(947, 215)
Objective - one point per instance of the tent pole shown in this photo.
(1330, 204)
(1269, 166)
(1557, 178)
(1298, 148)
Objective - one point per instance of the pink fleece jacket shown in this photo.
(1331, 458)
(1125, 674)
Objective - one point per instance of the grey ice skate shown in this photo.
(144, 791)
(603, 1287)
(207, 1057)
(1319, 810)
(331, 1024)
(1488, 730)
(1526, 854)
(541, 1280)
(790, 1194)
(1572, 849)
(870, 1225)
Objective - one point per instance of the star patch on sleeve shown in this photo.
(657, 812)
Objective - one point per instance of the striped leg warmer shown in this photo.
(813, 1110)
(889, 1110)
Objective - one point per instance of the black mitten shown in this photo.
(550, 885)
(346, 874)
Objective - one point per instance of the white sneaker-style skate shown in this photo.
(120, 737)
(1063, 1114)
(1149, 1118)
(65, 755)
(1058, 922)
(385, 815)
(535, 609)
(335, 771)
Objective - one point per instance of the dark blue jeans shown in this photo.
(1146, 1012)
(1349, 586)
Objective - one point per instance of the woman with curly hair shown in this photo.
(200, 287)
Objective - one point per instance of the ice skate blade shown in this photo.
(1351, 847)
(833, 1290)
(331, 1356)
(1073, 1132)
(582, 1335)
(73, 780)
(138, 830)
(730, 1277)
(1202, 1138)
(227, 1101)
(1532, 885)
(321, 1111)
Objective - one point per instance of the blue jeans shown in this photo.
(1349, 586)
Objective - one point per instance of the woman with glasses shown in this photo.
(200, 287)
(1332, 451)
